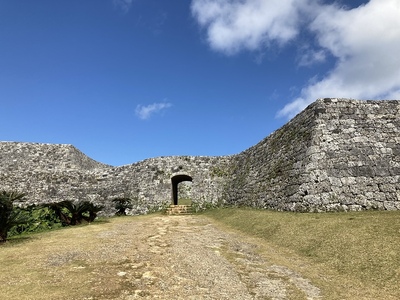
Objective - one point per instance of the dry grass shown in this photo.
(348, 255)
(79, 262)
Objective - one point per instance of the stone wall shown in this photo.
(337, 154)
(270, 173)
(51, 173)
(354, 159)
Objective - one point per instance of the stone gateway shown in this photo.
(336, 155)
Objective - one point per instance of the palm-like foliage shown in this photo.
(71, 213)
(9, 217)
(121, 204)
(92, 210)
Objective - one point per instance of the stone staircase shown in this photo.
(179, 210)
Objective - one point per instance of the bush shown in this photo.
(17, 220)
(71, 213)
(39, 218)
(9, 216)
(121, 205)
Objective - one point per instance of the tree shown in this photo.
(121, 204)
(9, 217)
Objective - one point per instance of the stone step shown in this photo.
(179, 210)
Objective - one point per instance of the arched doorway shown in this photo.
(175, 181)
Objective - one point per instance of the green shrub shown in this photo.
(9, 216)
(38, 218)
(74, 213)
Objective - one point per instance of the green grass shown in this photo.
(359, 250)
(185, 201)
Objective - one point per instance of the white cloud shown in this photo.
(146, 111)
(235, 25)
(364, 41)
(124, 5)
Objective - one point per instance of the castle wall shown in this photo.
(270, 173)
(337, 154)
(149, 181)
(46, 172)
(52, 173)
(354, 159)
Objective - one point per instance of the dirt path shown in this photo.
(150, 257)
(187, 257)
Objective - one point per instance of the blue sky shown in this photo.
(126, 80)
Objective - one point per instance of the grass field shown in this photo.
(354, 255)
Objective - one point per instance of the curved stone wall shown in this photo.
(51, 173)
(337, 154)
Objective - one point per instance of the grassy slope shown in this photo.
(349, 255)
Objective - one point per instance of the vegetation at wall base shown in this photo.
(9, 217)
(16, 220)
(71, 213)
(121, 205)
(38, 219)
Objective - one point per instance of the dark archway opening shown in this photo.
(175, 181)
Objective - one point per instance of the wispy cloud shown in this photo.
(144, 112)
(124, 5)
(363, 41)
(309, 56)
